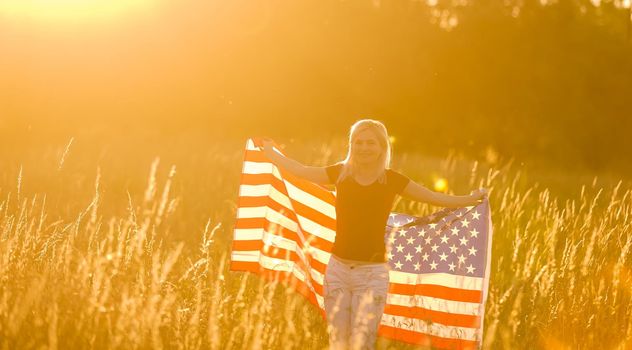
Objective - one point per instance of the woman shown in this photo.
(356, 280)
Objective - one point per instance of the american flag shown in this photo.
(285, 229)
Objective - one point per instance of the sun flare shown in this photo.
(71, 10)
(440, 184)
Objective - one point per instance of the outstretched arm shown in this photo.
(420, 193)
(311, 173)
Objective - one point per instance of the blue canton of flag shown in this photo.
(452, 241)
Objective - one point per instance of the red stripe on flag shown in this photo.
(247, 245)
(444, 318)
(431, 290)
(426, 340)
(260, 201)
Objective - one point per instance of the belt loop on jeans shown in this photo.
(350, 266)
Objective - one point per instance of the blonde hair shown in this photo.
(378, 128)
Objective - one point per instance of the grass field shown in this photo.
(117, 249)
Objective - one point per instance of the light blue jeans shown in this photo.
(355, 295)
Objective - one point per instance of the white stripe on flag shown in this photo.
(250, 145)
(260, 168)
(434, 304)
(265, 191)
(423, 326)
(441, 279)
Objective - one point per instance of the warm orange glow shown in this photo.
(71, 10)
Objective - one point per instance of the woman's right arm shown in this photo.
(311, 173)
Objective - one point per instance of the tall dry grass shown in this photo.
(94, 278)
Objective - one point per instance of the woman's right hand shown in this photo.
(267, 145)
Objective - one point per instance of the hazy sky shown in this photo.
(318, 65)
(150, 57)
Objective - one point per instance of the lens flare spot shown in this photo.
(73, 10)
(440, 184)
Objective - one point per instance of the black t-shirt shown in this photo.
(362, 213)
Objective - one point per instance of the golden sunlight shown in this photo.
(71, 10)
(440, 185)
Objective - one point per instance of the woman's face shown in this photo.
(366, 147)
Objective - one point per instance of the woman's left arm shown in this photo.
(420, 193)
